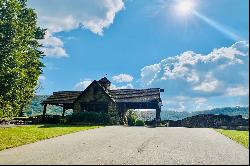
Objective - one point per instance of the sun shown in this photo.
(184, 7)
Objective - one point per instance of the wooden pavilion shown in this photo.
(98, 97)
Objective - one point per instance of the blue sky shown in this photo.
(197, 53)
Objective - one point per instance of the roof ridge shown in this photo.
(135, 89)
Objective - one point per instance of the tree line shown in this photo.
(20, 56)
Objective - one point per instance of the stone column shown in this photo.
(44, 111)
(158, 114)
(64, 109)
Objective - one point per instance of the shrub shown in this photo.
(5, 120)
(139, 122)
(89, 118)
(131, 117)
(49, 119)
(63, 120)
(113, 121)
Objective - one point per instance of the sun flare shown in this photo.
(184, 7)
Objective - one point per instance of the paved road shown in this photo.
(131, 145)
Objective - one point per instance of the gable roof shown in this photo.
(118, 95)
(69, 97)
(104, 80)
(62, 97)
(99, 85)
(136, 95)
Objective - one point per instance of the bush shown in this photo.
(131, 117)
(49, 119)
(63, 120)
(89, 118)
(5, 120)
(139, 122)
(113, 121)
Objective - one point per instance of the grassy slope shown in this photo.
(241, 137)
(16, 136)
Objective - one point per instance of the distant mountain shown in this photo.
(174, 115)
(35, 108)
(231, 111)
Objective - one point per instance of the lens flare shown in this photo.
(184, 7)
(187, 8)
(219, 27)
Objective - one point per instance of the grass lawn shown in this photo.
(16, 136)
(241, 137)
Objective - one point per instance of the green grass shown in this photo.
(241, 137)
(16, 136)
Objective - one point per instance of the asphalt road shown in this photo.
(131, 145)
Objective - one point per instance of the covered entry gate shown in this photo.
(125, 106)
(138, 99)
(99, 91)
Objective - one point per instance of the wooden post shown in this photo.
(44, 111)
(64, 109)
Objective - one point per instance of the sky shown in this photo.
(197, 50)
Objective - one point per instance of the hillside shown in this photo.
(231, 111)
(36, 108)
(174, 115)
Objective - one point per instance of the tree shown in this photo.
(20, 55)
(131, 117)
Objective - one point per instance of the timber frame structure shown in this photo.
(98, 97)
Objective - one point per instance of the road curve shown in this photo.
(131, 145)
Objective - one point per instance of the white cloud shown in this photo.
(217, 74)
(56, 52)
(82, 85)
(56, 24)
(200, 100)
(123, 78)
(238, 91)
(208, 85)
(127, 86)
(193, 77)
(186, 103)
(191, 73)
(41, 78)
(181, 107)
(66, 15)
(149, 73)
(53, 46)
(187, 65)
(181, 98)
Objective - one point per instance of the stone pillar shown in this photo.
(64, 109)
(44, 111)
(122, 114)
(158, 115)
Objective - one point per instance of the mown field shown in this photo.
(16, 136)
(241, 137)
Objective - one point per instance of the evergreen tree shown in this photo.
(20, 57)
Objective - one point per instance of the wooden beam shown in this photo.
(139, 105)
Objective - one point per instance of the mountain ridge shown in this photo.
(35, 108)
